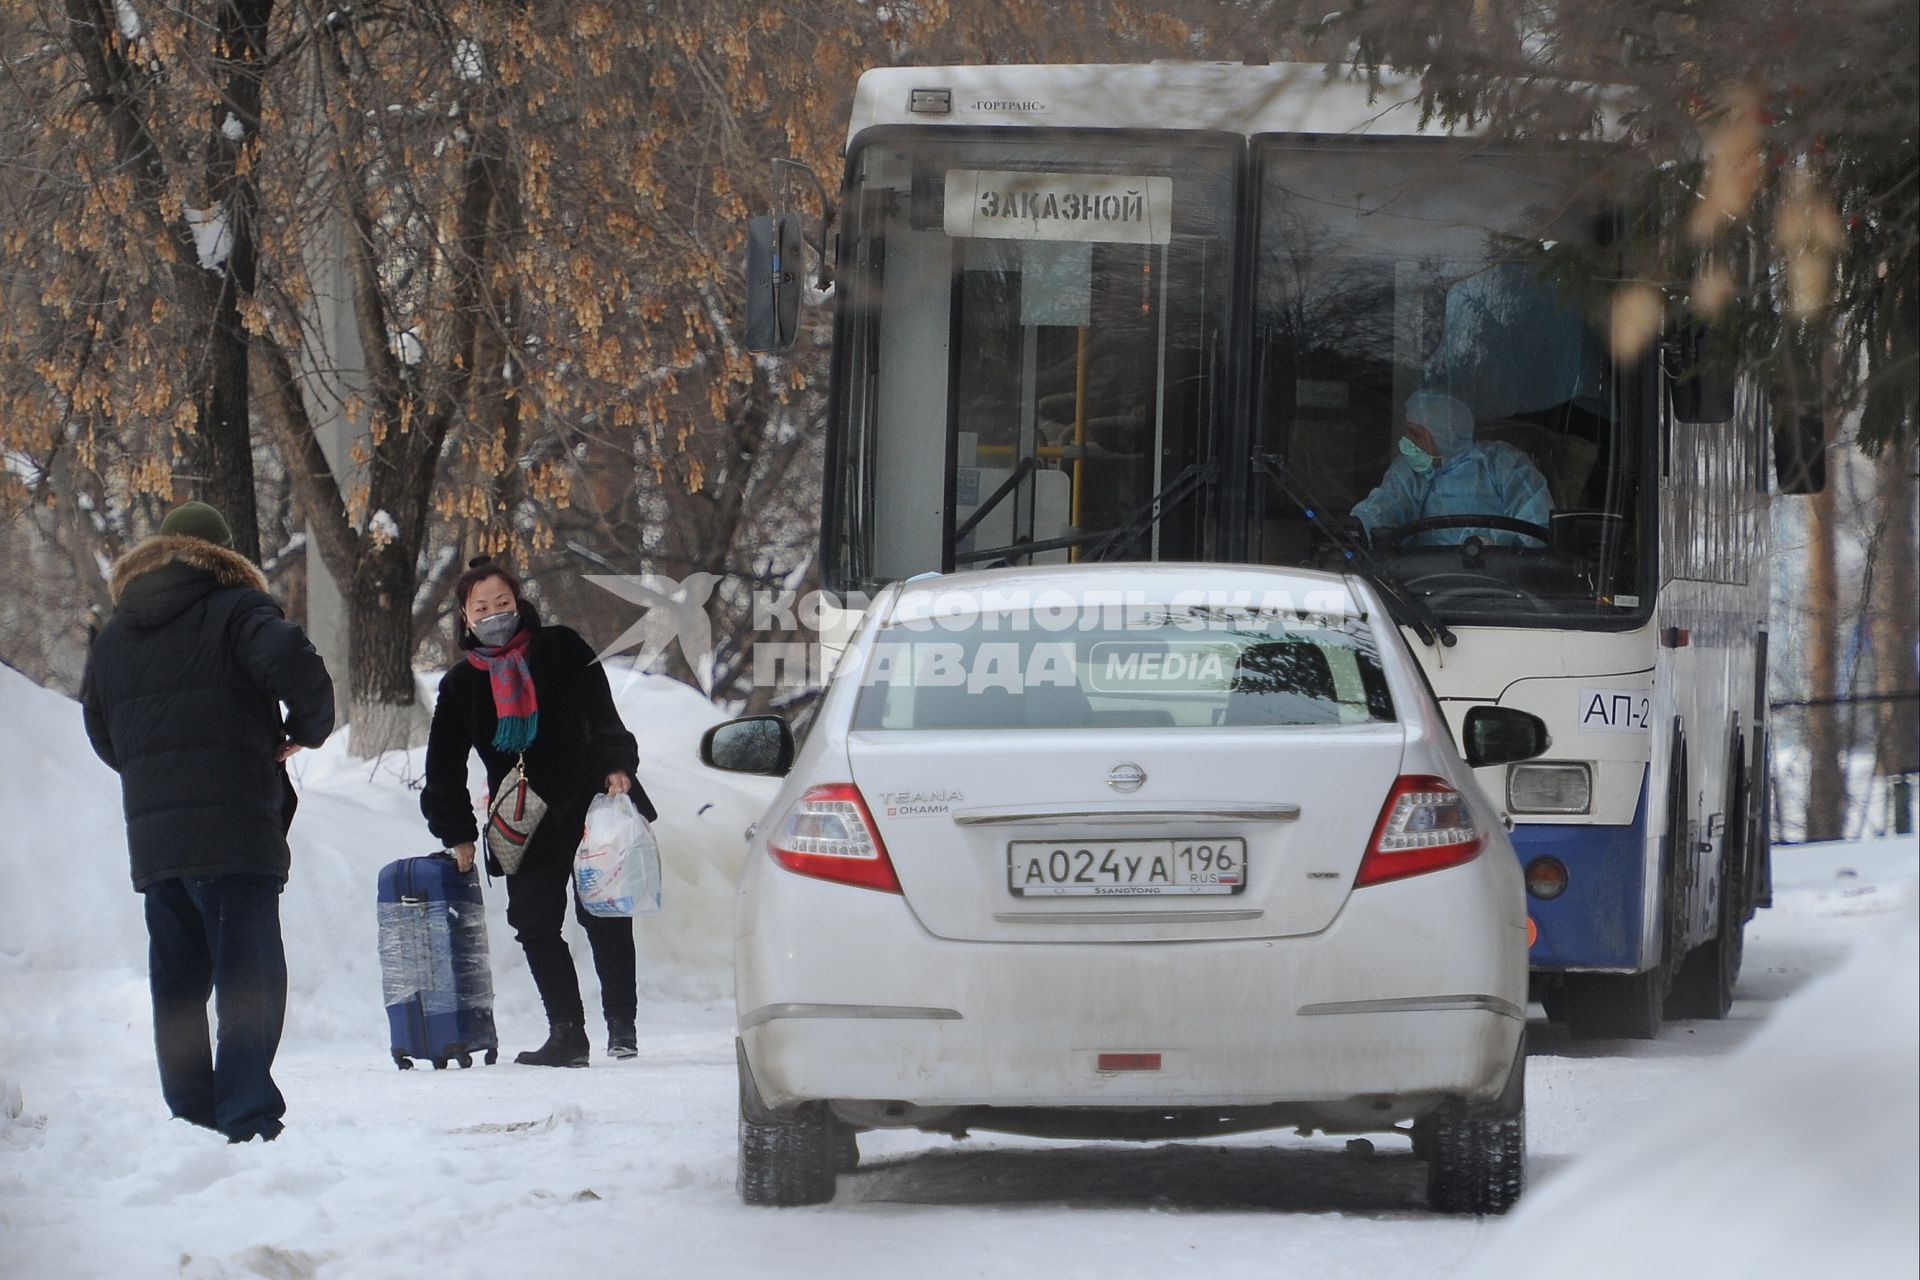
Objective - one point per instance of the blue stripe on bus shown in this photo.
(1596, 923)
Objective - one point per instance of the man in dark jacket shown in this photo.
(182, 697)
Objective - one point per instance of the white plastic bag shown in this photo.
(616, 871)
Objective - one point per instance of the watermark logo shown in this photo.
(676, 610)
(980, 639)
(1173, 666)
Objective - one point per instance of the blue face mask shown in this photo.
(1419, 459)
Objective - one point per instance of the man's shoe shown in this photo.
(566, 1046)
(622, 1040)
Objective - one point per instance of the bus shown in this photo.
(1184, 312)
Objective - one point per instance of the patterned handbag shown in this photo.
(512, 817)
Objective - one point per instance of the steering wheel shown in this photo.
(1482, 585)
(1467, 520)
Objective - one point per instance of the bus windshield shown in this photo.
(1427, 378)
(1032, 349)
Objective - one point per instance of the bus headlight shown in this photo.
(1549, 788)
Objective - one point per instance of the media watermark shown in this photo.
(984, 638)
(675, 611)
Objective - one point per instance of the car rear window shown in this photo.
(1158, 667)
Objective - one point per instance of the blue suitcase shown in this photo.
(433, 963)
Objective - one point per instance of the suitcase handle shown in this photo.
(478, 861)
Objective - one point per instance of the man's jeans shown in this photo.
(218, 935)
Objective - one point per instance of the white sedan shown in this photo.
(1130, 852)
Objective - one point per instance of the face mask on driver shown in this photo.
(1417, 458)
(496, 629)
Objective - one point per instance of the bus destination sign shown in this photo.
(1082, 207)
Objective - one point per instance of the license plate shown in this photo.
(1125, 868)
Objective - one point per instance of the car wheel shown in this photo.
(1477, 1156)
(785, 1159)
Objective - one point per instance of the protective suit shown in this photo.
(1468, 477)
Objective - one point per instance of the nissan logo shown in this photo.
(1126, 777)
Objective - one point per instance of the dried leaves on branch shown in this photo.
(501, 241)
(1777, 141)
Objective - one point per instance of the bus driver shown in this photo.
(1442, 470)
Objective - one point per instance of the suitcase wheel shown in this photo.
(439, 1064)
(493, 1056)
(402, 1061)
(465, 1060)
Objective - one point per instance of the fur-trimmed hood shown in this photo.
(227, 568)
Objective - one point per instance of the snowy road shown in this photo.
(518, 1173)
(627, 1168)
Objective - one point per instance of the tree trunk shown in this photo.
(385, 714)
(1896, 671)
(223, 443)
(1826, 773)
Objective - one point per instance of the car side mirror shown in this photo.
(1502, 735)
(751, 744)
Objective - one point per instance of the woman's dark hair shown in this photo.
(479, 569)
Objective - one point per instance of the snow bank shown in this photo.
(1794, 1152)
(73, 941)
(1791, 1157)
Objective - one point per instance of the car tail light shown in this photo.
(1424, 826)
(830, 835)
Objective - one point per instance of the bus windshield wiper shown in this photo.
(1020, 472)
(1103, 541)
(1175, 492)
(1419, 614)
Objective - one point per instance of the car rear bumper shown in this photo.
(1417, 989)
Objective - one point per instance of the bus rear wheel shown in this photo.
(1704, 987)
(1608, 1006)
(1611, 1006)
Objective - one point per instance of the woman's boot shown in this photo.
(623, 1040)
(566, 1046)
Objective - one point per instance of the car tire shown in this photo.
(786, 1159)
(789, 1163)
(1477, 1156)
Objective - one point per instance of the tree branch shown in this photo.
(314, 486)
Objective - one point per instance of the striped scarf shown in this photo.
(513, 698)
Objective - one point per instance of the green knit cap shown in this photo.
(197, 520)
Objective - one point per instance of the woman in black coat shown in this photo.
(533, 692)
